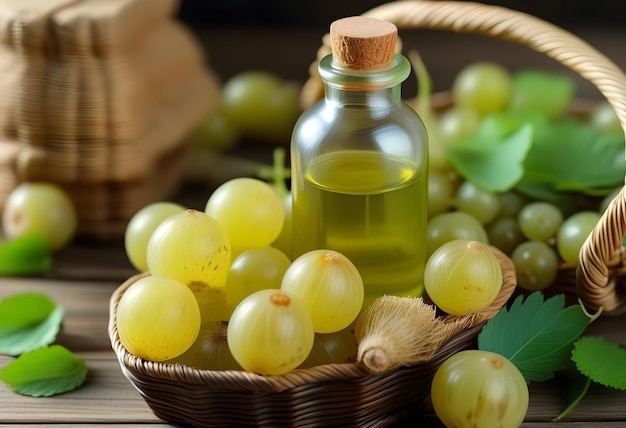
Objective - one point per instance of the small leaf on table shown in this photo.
(28, 321)
(601, 360)
(535, 335)
(45, 372)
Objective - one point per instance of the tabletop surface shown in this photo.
(88, 272)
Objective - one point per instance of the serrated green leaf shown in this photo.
(609, 369)
(536, 335)
(45, 372)
(493, 157)
(28, 321)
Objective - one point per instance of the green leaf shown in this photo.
(24, 310)
(536, 335)
(595, 160)
(45, 372)
(602, 361)
(493, 157)
(26, 255)
(550, 93)
(28, 321)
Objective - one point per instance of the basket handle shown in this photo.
(601, 255)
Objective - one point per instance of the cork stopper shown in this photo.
(362, 43)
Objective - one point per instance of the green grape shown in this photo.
(332, 348)
(191, 247)
(440, 193)
(505, 234)
(453, 225)
(604, 118)
(484, 87)
(253, 270)
(511, 203)
(210, 349)
(475, 388)
(462, 277)
(480, 204)
(216, 132)
(250, 210)
(261, 105)
(542, 92)
(214, 307)
(270, 332)
(157, 318)
(457, 123)
(540, 220)
(140, 228)
(42, 208)
(573, 233)
(536, 265)
(330, 286)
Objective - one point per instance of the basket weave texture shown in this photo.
(345, 394)
(99, 97)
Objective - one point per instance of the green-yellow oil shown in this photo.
(371, 207)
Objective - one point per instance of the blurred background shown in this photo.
(285, 13)
(283, 36)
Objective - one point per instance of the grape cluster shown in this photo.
(258, 310)
(540, 235)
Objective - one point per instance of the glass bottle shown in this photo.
(359, 160)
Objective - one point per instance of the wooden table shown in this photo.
(89, 272)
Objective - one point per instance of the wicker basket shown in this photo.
(345, 394)
(327, 395)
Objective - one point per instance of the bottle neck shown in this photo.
(375, 98)
(379, 87)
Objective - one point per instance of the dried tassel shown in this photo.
(395, 331)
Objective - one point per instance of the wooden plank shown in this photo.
(84, 261)
(548, 399)
(105, 397)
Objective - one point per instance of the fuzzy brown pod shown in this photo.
(395, 331)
